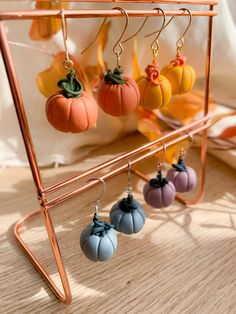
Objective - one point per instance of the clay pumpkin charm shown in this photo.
(72, 109)
(180, 75)
(127, 215)
(159, 192)
(184, 178)
(118, 95)
(155, 89)
(98, 241)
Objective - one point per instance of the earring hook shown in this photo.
(96, 203)
(129, 189)
(118, 43)
(180, 40)
(95, 38)
(160, 163)
(155, 44)
(140, 28)
(68, 63)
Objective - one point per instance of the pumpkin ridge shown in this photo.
(187, 180)
(181, 80)
(114, 249)
(134, 85)
(119, 225)
(133, 224)
(162, 93)
(86, 111)
(141, 214)
(147, 195)
(162, 199)
(70, 113)
(120, 101)
(97, 251)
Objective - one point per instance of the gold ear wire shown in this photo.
(155, 44)
(68, 64)
(95, 38)
(180, 40)
(118, 43)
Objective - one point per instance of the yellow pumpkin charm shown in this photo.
(180, 75)
(155, 89)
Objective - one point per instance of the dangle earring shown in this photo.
(159, 192)
(98, 240)
(128, 215)
(71, 109)
(155, 89)
(180, 74)
(118, 95)
(184, 178)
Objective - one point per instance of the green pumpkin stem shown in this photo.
(114, 77)
(71, 85)
(180, 166)
(159, 181)
(100, 228)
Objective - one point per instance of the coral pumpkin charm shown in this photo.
(155, 89)
(118, 95)
(72, 109)
(159, 192)
(180, 75)
(184, 178)
(98, 241)
(127, 215)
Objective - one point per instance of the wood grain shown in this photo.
(183, 261)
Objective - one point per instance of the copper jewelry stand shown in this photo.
(147, 150)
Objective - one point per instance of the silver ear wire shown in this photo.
(96, 203)
(129, 189)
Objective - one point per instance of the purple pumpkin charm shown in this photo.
(159, 192)
(184, 178)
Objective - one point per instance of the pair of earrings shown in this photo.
(74, 110)
(161, 191)
(157, 87)
(98, 240)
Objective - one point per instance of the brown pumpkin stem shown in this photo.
(114, 77)
(100, 228)
(179, 60)
(159, 181)
(180, 166)
(71, 85)
(153, 73)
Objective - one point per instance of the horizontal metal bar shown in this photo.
(35, 14)
(56, 187)
(118, 170)
(197, 2)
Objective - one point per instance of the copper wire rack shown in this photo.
(136, 156)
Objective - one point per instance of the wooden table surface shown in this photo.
(183, 261)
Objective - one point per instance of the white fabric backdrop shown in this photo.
(52, 146)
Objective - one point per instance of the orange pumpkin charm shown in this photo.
(72, 109)
(180, 75)
(118, 95)
(155, 89)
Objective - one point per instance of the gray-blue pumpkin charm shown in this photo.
(98, 241)
(128, 215)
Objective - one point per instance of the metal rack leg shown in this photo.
(65, 297)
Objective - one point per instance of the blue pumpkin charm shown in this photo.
(98, 241)
(127, 215)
